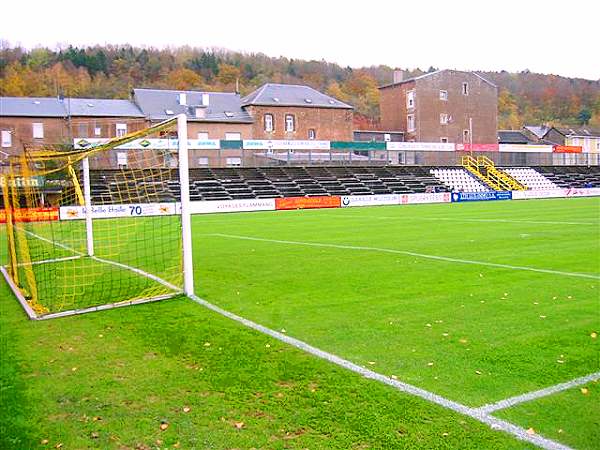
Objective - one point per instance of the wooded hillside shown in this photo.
(112, 71)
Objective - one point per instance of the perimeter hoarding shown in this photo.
(307, 202)
(481, 196)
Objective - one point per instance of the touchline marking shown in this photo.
(419, 255)
(507, 403)
(106, 261)
(491, 421)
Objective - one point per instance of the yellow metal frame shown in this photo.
(491, 175)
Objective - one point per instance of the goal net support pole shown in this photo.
(186, 225)
(87, 195)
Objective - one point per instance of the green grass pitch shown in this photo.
(475, 302)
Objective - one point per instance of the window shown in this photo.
(387, 137)
(233, 136)
(121, 129)
(234, 161)
(312, 133)
(444, 140)
(444, 119)
(410, 99)
(410, 122)
(203, 161)
(269, 123)
(466, 137)
(202, 135)
(444, 95)
(38, 130)
(122, 159)
(465, 88)
(97, 131)
(6, 138)
(82, 130)
(289, 123)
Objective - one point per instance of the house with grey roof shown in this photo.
(51, 121)
(286, 111)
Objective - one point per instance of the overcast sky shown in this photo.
(558, 37)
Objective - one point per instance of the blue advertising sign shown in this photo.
(481, 196)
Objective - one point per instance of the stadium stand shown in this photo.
(459, 180)
(572, 176)
(297, 181)
(530, 178)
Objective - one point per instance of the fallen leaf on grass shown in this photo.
(560, 430)
(59, 445)
(478, 372)
(594, 335)
(430, 364)
(95, 435)
(371, 362)
(463, 341)
(207, 344)
(560, 361)
(186, 409)
(268, 345)
(585, 391)
(164, 426)
(96, 418)
(239, 425)
(44, 441)
(530, 431)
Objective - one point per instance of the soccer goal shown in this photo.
(101, 225)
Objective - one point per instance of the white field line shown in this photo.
(48, 261)
(493, 422)
(108, 261)
(507, 403)
(467, 220)
(418, 255)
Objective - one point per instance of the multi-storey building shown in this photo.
(443, 106)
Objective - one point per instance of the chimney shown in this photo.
(182, 99)
(200, 112)
(205, 101)
(398, 75)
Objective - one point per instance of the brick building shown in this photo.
(274, 111)
(34, 122)
(443, 106)
(285, 111)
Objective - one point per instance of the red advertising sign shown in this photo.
(31, 214)
(567, 149)
(307, 202)
(477, 147)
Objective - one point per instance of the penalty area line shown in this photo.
(491, 421)
(408, 253)
(509, 402)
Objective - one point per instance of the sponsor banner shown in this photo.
(35, 181)
(438, 197)
(582, 192)
(556, 193)
(477, 147)
(481, 196)
(154, 144)
(541, 193)
(307, 202)
(421, 146)
(125, 210)
(567, 149)
(261, 144)
(349, 201)
(216, 206)
(31, 214)
(525, 148)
